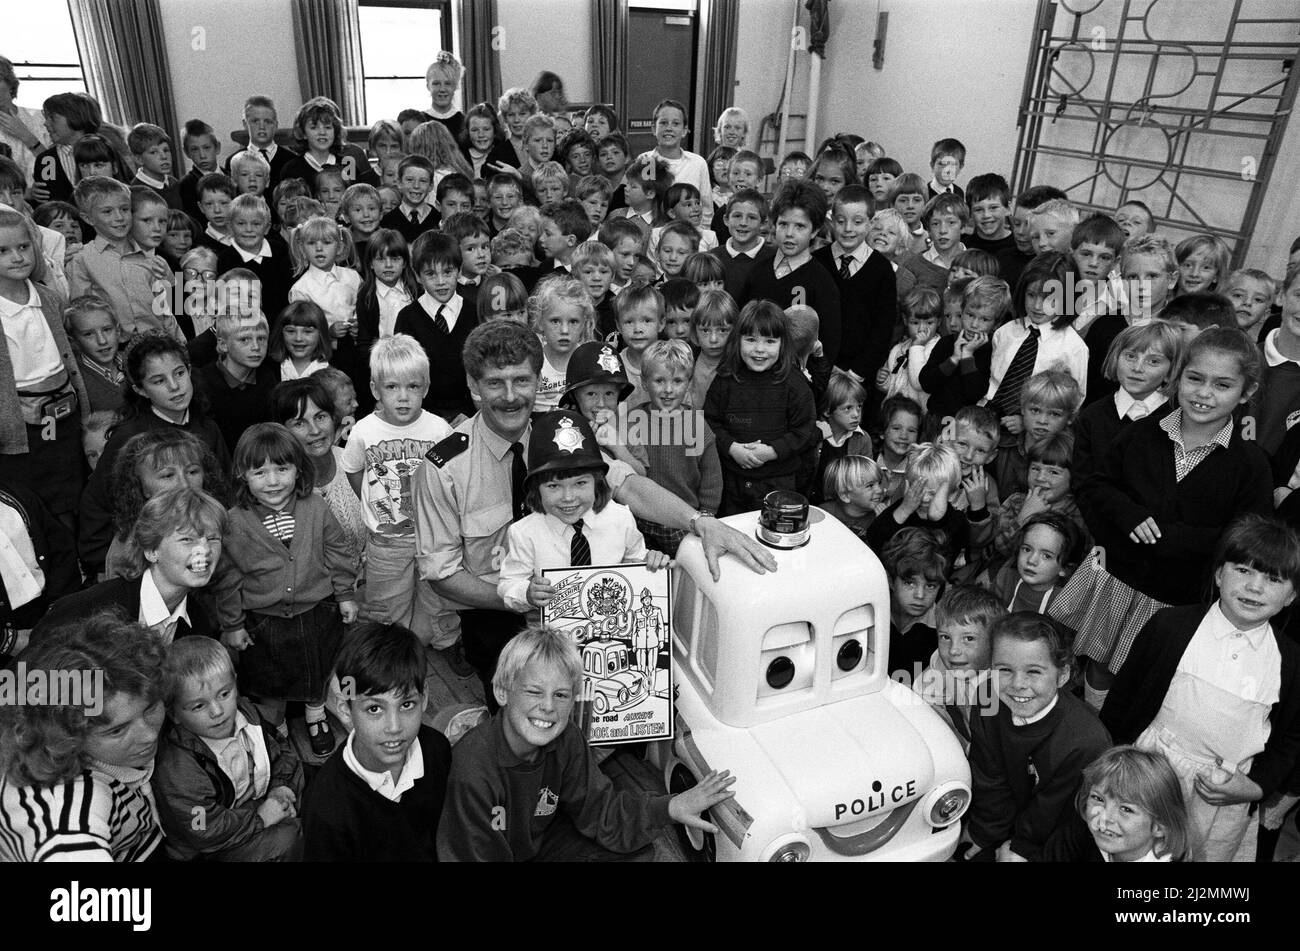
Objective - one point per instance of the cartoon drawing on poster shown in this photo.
(619, 616)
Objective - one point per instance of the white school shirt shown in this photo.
(1101, 301)
(143, 176)
(153, 609)
(216, 235)
(450, 310)
(932, 255)
(785, 266)
(422, 212)
(1026, 721)
(736, 252)
(1246, 664)
(33, 353)
(289, 372)
(1125, 402)
(317, 165)
(333, 291)
(246, 256)
(692, 170)
(382, 783)
(543, 541)
(1058, 349)
(391, 300)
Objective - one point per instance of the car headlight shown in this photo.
(622, 695)
(945, 804)
(788, 848)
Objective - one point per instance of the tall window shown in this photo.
(399, 39)
(40, 42)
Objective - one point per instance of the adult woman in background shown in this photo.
(306, 410)
(548, 90)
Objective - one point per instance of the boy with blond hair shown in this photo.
(113, 266)
(384, 453)
(524, 787)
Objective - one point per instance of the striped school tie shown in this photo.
(1021, 369)
(579, 549)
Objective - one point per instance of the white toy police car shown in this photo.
(783, 682)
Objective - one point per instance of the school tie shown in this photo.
(579, 550)
(265, 156)
(845, 261)
(440, 322)
(1020, 370)
(415, 217)
(518, 472)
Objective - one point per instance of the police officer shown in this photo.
(465, 500)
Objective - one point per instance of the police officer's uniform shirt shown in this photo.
(463, 506)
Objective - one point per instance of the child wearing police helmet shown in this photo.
(595, 385)
(574, 522)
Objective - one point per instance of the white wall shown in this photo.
(952, 67)
(762, 39)
(956, 68)
(547, 34)
(244, 47)
(924, 90)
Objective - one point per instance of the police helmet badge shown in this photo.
(567, 437)
(608, 361)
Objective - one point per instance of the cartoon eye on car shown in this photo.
(614, 684)
(783, 682)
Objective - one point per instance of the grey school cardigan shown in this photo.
(13, 431)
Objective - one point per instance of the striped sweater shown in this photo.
(91, 818)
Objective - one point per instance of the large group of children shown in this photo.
(1067, 438)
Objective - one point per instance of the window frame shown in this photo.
(77, 65)
(444, 7)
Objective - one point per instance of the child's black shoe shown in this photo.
(322, 737)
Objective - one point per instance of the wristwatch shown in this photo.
(694, 523)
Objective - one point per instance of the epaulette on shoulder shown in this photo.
(451, 447)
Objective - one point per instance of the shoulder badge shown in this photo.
(451, 447)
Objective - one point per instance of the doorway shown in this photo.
(661, 47)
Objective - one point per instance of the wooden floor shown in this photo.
(626, 766)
